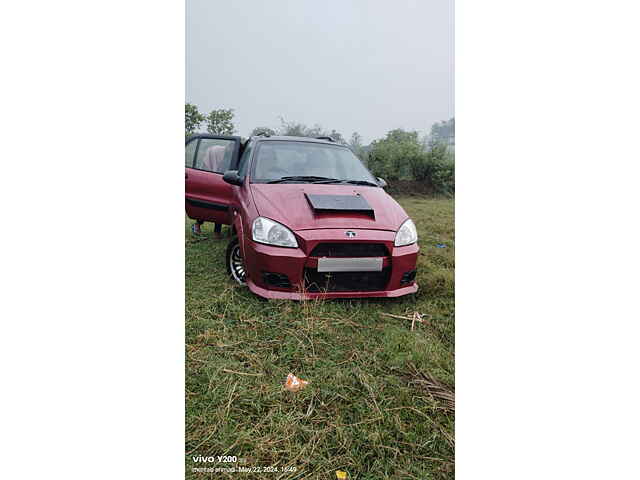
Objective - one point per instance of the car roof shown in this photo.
(264, 138)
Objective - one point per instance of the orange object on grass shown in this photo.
(293, 383)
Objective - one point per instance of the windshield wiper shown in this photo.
(305, 178)
(316, 179)
(360, 182)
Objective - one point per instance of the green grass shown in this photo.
(361, 411)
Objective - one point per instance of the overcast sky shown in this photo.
(352, 65)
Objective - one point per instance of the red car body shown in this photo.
(293, 273)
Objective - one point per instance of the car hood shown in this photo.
(287, 204)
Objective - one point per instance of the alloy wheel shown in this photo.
(237, 265)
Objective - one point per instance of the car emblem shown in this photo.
(350, 234)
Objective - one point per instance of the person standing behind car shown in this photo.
(216, 159)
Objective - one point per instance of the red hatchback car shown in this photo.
(308, 219)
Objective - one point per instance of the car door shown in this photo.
(207, 157)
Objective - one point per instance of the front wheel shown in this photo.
(235, 263)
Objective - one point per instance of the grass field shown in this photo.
(368, 409)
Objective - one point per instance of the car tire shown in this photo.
(235, 264)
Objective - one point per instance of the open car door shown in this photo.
(207, 157)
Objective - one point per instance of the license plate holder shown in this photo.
(360, 264)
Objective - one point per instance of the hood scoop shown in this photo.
(339, 203)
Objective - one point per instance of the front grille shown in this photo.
(346, 281)
(350, 249)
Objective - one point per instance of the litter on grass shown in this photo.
(440, 245)
(341, 475)
(293, 383)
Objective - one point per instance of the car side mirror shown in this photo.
(231, 176)
(381, 182)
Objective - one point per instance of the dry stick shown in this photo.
(436, 459)
(221, 345)
(243, 373)
(416, 317)
(359, 423)
(394, 316)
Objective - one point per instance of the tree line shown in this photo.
(400, 156)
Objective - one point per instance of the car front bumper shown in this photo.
(292, 273)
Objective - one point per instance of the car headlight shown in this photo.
(407, 234)
(272, 233)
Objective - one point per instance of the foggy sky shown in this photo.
(352, 65)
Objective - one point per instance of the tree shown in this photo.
(220, 122)
(192, 119)
(337, 136)
(399, 135)
(355, 143)
(263, 130)
(296, 129)
(444, 131)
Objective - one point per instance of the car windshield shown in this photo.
(308, 162)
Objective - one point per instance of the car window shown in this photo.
(189, 152)
(277, 159)
(214, 155)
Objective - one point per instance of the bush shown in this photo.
(390, 158)
(382, 166)
(434, 167)
(443, 178)
(420, 166)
